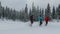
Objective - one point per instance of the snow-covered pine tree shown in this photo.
(48, 11)
(0, 10)
(58, 11)
(26, 13)
(53, 13)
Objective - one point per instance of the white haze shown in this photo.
(19, 4)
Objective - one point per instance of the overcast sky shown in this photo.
(19, 4)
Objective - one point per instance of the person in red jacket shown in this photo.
(46, 20)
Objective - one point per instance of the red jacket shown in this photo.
(46, 19)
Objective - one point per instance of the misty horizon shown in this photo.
(20, 4)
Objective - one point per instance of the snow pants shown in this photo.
(31, 22)
(46, 23)
(40, 23)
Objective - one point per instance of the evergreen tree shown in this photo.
(58, 11)
(3, 12)
(53, 13)
(45, 12)
(48, 11)
(26, 9)
(42, 13)
(0, 10)
(30, 12)
(6, 12)
(11, 13)
(35, 11)
(26, 13)
(13, 16)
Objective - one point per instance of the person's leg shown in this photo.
(40, 23)
(46, 23)
(31, 23)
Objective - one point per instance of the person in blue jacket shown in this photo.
(40, 18)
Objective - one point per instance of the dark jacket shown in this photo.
(31, 18)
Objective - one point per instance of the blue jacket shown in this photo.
(40, 18)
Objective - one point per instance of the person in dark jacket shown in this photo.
(31, 19)
(40, 19)
(46, 20)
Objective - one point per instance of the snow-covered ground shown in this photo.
(18, 27)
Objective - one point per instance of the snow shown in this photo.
(18, 27)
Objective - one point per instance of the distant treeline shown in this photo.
(24, 15)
